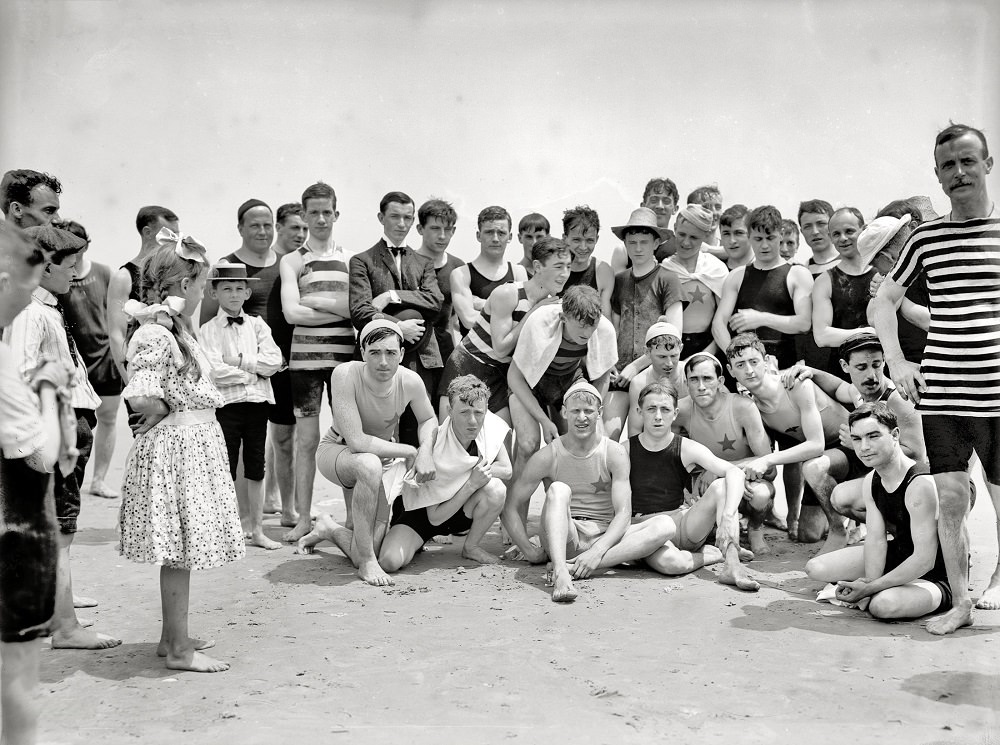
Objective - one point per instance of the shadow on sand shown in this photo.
(124, 662)
(956, 688)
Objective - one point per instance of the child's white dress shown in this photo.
(178, 501)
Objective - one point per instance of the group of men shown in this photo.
(654, 397)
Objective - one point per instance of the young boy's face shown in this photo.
(231, 295)
(664, 359)
(765, 245)
(789, 245)
(749, 368)
(57, 278)
(493, 237)
(576, 332)
(735, 239)
(528, 239)
(640, 245)
(582, 240)
(553, 272)
(815, 228)
(713, 203)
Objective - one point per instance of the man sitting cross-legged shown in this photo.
(662, 464)
(729, 425)
(368, 399)
(588, 506)
(467, 493)
(904, 577)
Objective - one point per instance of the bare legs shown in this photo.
(954, 496)
(306, 442)
(822, 475)
(255, 510)
(991, 598)
(180, 650)
(104, 446)
(67, 633)
(19, 703)
(280, 470)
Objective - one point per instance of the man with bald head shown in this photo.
(29, 198)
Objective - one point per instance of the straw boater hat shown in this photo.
(644, 218)
(225, 271)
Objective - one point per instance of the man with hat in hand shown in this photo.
(391, 277)
(643, 294)
(243, 356)
(362, 452)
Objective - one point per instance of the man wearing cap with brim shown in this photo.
(244, 356)
(37, 336)
(664, 349)
(729, 425)
(586, 518)
(643, 294)
(880, 244)
(362, 445)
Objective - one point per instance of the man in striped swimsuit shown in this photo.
(314, 301)
(957, 386)
(486, 350)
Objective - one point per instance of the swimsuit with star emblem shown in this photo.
(722, 435)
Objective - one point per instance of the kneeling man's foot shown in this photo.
(302, 527)
(952, 621)
(563, 591)
(478, 554)
(372, 573)
(745, 553)
(738, 578)
(323, 531)
(196, 662)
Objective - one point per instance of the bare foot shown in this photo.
(952, 621)
(302, 528)
(757, 543)
(563, 592)
(774, 521)
(835, 540)
(81, 602)
(505, 539)
(793, 530)
(272, 507)
(745, 554)
(247, 535)
(479, 554)
(85, 623)
(373, 574)
(443, 539)
(711, 554)
(991, 598)
(323, 531)
(102, 490)
(738, 578)
(81, 638)
(196, 644)
(259, 539)
(289, 519)
(196, 662)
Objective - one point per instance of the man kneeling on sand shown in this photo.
(588, 506)
(467, 493)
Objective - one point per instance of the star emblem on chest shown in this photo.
(600, 485)
(726, 443)
(697, 295)
(792, 430)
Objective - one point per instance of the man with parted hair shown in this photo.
(471, 466)
(814, 222)
(124, 284)
(290, 229)
(369, 397)
(586, 519)
(581, 226)
(957, 385)
(472, 284)
(29, 198)
(530, 229)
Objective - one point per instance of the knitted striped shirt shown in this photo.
(961, 261)
(479, 342)
(322, 347)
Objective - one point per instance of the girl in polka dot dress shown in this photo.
(178, 502)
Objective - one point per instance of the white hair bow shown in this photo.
(184, 245)
(161, 313)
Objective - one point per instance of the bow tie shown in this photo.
(230, 320)
(397, 250)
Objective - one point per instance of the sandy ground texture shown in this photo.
(456, 652)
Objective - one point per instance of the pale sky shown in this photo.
(530, 105)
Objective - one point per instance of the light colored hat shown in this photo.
(697, 215)
(644, 218)
(582, 386)
(225, 271)
(662, 328)
(876, 235)
(380, 322)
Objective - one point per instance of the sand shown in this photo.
(456, 652)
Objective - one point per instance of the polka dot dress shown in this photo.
(178, 502)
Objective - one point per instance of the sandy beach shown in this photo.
(456, 652)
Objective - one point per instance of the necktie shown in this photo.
(230, 320)
(69, 334)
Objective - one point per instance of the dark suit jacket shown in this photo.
(373, 272)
